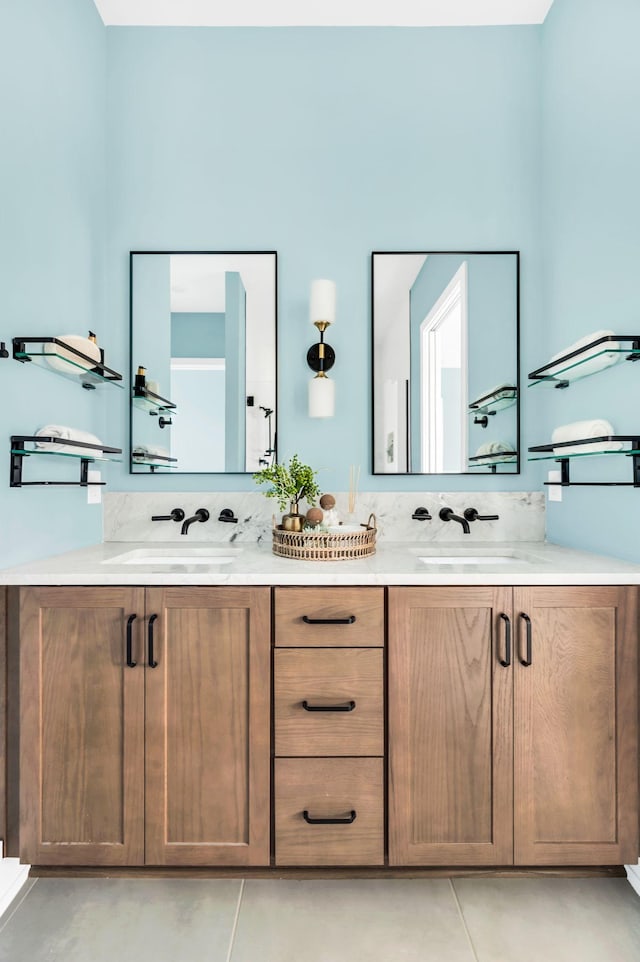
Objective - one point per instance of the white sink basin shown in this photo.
(470, 559)
(175, 556)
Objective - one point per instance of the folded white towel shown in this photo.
(493, 448)
(588, 366)
(68, 434)
(579, 430)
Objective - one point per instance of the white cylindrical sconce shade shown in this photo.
(322, 397)
(323, 301)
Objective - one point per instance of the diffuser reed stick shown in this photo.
(354, 481)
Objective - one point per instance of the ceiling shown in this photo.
(317, 13)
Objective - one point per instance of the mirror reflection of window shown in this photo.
(443, 381)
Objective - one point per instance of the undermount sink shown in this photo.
(467, 556)
(470, 560)
(175, 556)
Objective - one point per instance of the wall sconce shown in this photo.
(321, 356)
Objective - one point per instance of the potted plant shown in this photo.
(292, 483)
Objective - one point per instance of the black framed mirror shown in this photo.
(445, 362)
(203, 348)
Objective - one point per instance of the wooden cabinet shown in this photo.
(81, 727)
(575, 726)
(161, 763)
(329, 726)
(527, 756)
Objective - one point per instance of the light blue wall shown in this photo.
(591, 240)
(324, 144)
(197, 335)
(52, 253)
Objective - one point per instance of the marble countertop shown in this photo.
(395, 563)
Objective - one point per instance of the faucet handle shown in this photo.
(227, 515)
(421, 514)
(471, 514)
(177, 514)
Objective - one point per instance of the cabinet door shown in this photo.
(450, 727)
(81, 727)
(576, 726)
(207, 727)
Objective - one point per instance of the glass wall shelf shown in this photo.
(56, 358)
(553, 452)
(155, 462)
(492, 461)
(495, 401)
(146, 400)
(574, 361)
(86, 455)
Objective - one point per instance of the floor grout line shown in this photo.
(463, 920)
(234, 927)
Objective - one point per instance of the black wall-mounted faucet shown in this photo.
(227, 516)
(421, 514)
(471, 514)
(201, 515)
(177, 514)
(446, 514)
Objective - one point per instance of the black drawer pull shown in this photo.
(329, 621)
(130, 662)
(347, 820)
(152, 663)
(527, 620)
(507, 641)
(349, 706)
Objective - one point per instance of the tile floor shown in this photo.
(395, 920)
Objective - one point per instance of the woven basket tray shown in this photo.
(322, 546)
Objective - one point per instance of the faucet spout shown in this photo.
(201, 515)
(446, 514)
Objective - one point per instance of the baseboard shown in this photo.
(633, 877)
(13, 876)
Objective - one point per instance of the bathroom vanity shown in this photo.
(262, 712)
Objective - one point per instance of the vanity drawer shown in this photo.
(329, 617)
(329, 788)
(326, 679)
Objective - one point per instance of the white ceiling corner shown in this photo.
(322, 13)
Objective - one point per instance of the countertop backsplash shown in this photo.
(127, 516)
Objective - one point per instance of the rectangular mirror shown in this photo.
(446, 362)
(203, 362)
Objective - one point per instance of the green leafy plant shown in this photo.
(292, 483)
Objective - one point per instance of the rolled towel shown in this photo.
(493, 448)
(579, 430)
(587, 367)
(58, 356)
(496, 393)
(68, 434)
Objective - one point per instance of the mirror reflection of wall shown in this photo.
(204, 327)
(445, 343)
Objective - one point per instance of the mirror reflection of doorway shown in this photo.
(443, 380)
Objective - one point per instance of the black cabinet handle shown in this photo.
(150, 660)
(130, 662)
(329, 621)
(527, 620)
(350, 705)
(507, 641)
(347, 820)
